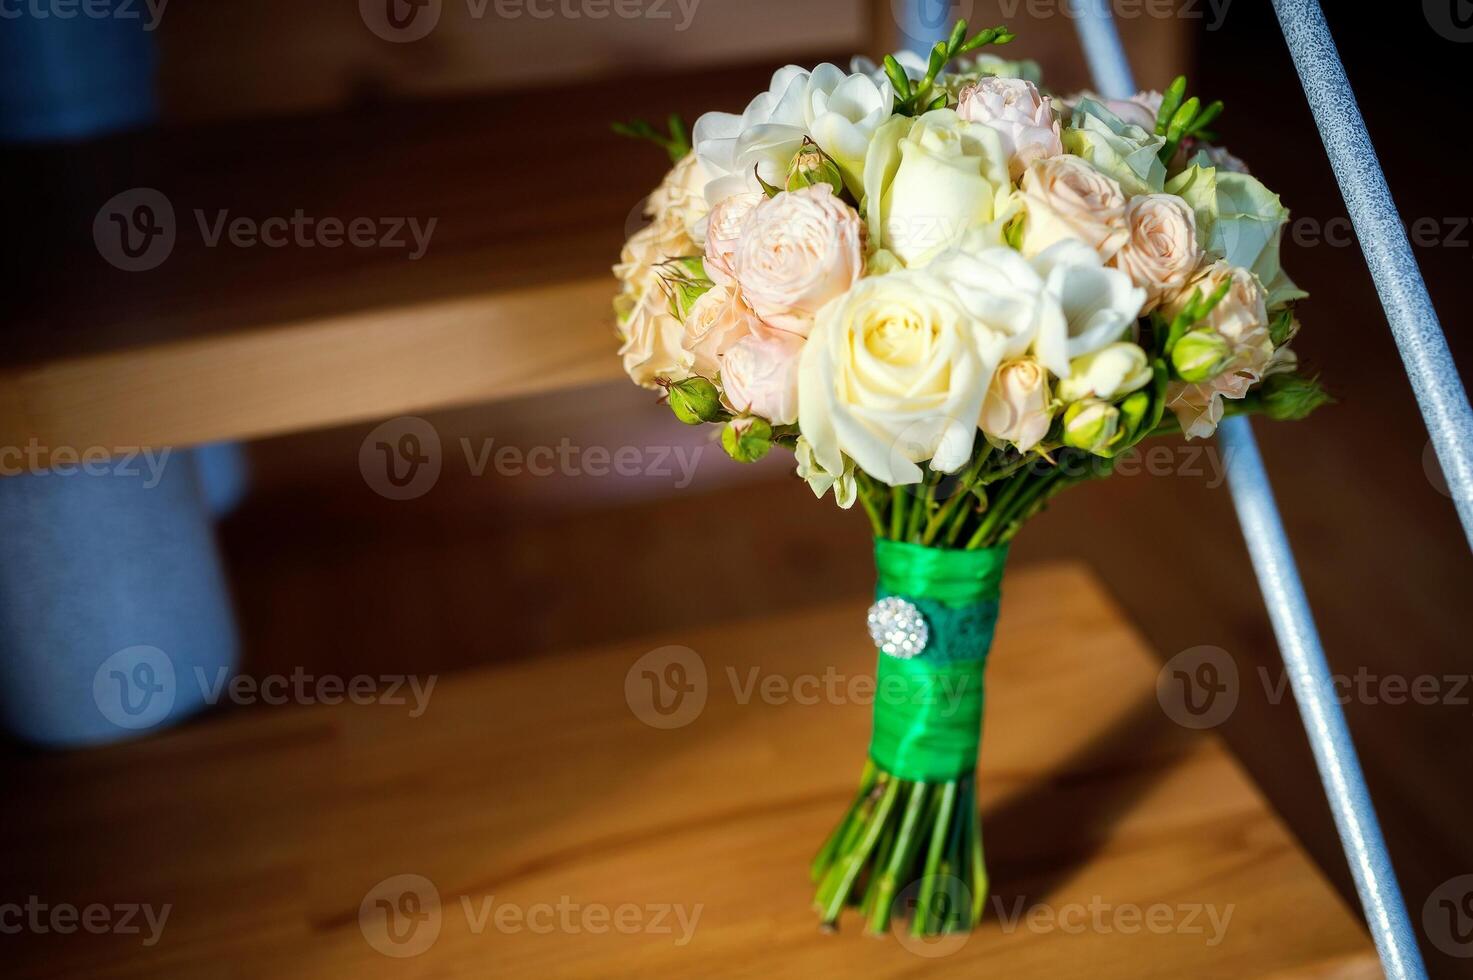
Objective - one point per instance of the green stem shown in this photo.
(907, 842)
(995, 511)
(921, 924)
(897, 513)
(840, 880)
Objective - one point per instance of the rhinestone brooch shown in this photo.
(898, 627)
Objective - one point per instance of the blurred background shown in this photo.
(415, 444)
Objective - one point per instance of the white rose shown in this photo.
(1017, 408)
(1108, 373)
(765, 136)
(724, 230)
(933, 182)
(717, 320)
(798, 250)
(1099, 304)
(759, 375)
(842, 112)
(1161, 251)
(891, 376)
(1064, 197)
(652, 342)
(1023, 118)
(682, 193)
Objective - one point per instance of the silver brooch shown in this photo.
(898, 627)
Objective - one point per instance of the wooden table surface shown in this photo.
(529, 822)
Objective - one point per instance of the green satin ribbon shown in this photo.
(928, 709)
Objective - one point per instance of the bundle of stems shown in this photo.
(900, 837)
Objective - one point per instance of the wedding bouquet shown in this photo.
(952, 296)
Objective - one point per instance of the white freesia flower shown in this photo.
(765, 136)
(842, 112)
(1063, 304)
(821, 481)
(933, 182)
(1099, 304)
(1112, 371)
(894, 374)
(1004, 293)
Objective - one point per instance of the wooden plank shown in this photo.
(315, 373)
(535, 787)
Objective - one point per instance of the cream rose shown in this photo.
(1241, 318)
(682, 193)
(717, 320)
(798, 250)
(643, 255)
(1161, 252)
(1064, 197)
(1017, 408)
(724, 231)
(1023, 118)
(759, 375)
(652, 342)
(891, 376)
(933, 182)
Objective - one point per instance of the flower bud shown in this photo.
(694, 400)
(746, 440)
(1113, 370)
(1091, 425)
(1200, 355)
(1290, 397)
(813, 166)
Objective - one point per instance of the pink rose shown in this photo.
(724, 231)
(1023, 118)
(1161, 252)
(716, 321)
(798, 250)
(1064, 197)
(1016, 408)
(759, 375)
